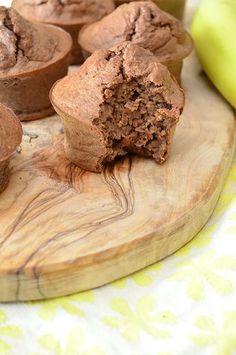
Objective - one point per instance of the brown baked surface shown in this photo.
(10, 139)
(10, 133)
(64, 12)
(142, 23)
(25, 46)
(120, 100)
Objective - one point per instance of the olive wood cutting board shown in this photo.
(63, 230)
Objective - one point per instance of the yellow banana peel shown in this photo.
(214, 33)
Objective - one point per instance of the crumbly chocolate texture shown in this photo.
(24, 46)
(140, 22)
(120, 100)
(64, 12)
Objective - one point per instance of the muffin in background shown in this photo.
(69, 15)
(144, 24)
(32, 57)
(174, 7)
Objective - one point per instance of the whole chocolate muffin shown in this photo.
(120, 100)
(32, 58)
(174, 7)
(10, 139)
(70, 15)
(142, 23)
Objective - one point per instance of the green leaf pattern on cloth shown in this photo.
(222, 336)
(144, 317)
(7, 333)
(74, 345)
(206, 269)
(70, 304)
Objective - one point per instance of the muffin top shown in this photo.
(64, 12)
(10, 133)
(142, 23)
(25, 46)
(106, 69)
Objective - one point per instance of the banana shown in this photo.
(214, 33)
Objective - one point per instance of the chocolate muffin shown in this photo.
(120, 100)
(32, 58)
(174, 7)
(10, 139)
(70, 15)
(142, 23)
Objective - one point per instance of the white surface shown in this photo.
(5, 2)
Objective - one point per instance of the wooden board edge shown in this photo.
(66, 279)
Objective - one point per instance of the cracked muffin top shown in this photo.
(64, 12)
(140, 22)
(106, 68)
(25, 46)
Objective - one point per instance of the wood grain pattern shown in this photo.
(64, 230)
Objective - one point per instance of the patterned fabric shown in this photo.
(184, 305)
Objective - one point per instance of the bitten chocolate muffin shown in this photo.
(32, 58)
(70, 15)
(121, 100)
(142, 23)
(10, 139)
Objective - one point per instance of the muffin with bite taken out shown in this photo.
(121, 100)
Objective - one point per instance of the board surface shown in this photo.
(63, 230)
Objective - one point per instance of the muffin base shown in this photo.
(31, 116)
(76, 56)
